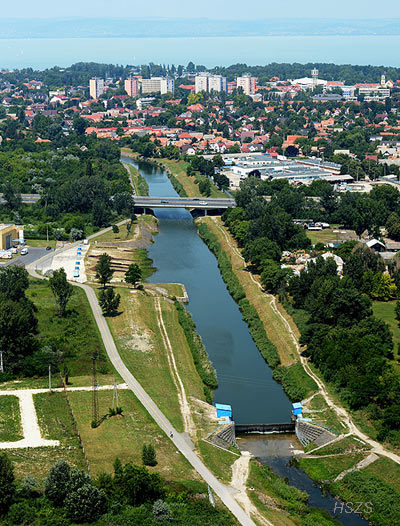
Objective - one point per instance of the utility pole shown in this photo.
(95, 419)
(115, 396)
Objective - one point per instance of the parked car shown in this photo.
(24, 251)
(48, 248)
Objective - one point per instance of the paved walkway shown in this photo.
(180, 440)
(29, 421)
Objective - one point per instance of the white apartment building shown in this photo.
(158, 85)
(207, 82)
(96, 87)
(247, 83)
(132, 86)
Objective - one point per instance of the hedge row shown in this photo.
(295, 381)
(200, 357)
(250, 315)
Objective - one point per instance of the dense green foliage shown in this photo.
(109, 301)
(61, 289)
(132, 495)
(296, 382)
(201, 361)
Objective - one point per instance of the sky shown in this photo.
(217, 9)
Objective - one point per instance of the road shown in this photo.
(34, 254)
(184, 202)
(181, 442)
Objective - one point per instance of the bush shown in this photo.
(85, 504)
(295, 381)
(149, 455)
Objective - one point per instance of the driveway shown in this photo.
(33, 255)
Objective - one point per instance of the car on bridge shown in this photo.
(164, 201)
(203, 203)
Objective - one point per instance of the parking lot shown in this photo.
(21, 261)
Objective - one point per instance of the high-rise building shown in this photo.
(158, 85)
(96, 87)
(132, 86)
(247, 83)
(207, 82)
(314, 75)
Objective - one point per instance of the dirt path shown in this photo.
(240, 474)
(180, 389)
(340, 411)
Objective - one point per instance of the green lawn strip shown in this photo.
(124, 436)
(41, 243)
(345, 445)
(380, 501)
(173, 289)
(219, 461)
(320, 469)
(10, 419)
(147, 358)
(385, 311)
(77, 334)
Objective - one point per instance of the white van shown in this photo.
(24, 251)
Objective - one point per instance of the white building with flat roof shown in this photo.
(96, 87)
(207, 82)
(157, 85)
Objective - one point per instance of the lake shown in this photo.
(41, 53)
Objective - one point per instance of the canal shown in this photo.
(244, 379)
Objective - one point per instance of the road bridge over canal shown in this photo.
(214, 205)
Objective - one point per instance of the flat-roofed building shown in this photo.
(96, 87)
(247, 83)
(207, 82)
(158, 85)
(132, 86)
(9, 234)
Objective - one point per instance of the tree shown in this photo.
(61, 289)
(115, 229)
(272, 276)
(134, 274)
(76, 234)
(11, 196)
(397, 311)
(14, 282)
(7, 487)
(149, 455)
(56, 483)
(86, 504)
(205, 187)
(104, 272)
(109, 301)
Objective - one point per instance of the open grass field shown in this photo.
(273, 324)
(324, 415)
(178, 170)
(329, 236)
(385, 470)
(139, 341)
(10, 419)
(328, 468)
(124, 436)
(76, 334)
(385, 311)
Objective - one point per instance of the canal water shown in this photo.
(244, 379)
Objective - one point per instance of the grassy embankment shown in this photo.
(10, 419)
(266, 326)
(139, 183)
(184, 185)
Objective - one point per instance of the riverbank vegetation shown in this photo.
(280, 503)
(138, 181)
(203, 365)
